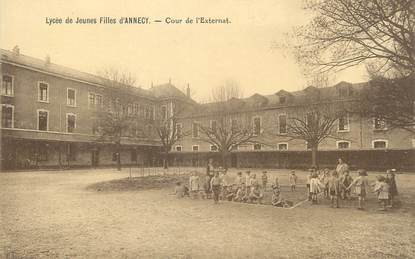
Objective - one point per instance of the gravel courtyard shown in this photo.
(52, 215)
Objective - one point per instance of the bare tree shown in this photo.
(118, 78)
(321, 80)
(112, 126)
(313, 124)
(226, 129)
(170, 132)
(345, 33)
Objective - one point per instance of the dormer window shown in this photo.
(283, 99)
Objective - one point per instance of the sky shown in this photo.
(201, 55)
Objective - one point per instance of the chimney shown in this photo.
(16, 50)
(188, 91)
(47, 60)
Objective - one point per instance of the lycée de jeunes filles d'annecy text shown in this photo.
(135, 20)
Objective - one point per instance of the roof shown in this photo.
(40, 64)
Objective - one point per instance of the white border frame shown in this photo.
(38, 91)
(67, 97)
(37, 121)
(4, 94)
(12, 106)
(379, 140)
(66, 122)
(343, 141)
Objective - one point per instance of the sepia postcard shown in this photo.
(207, 129)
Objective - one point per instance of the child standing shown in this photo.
(293, 180)
(361, 186)
(216, 186)
(393, 189)
(309, 176)
(194, 185)
(334, 188)
(239, 180)
(264, 180)
(248, 181)
(346, 180)
(382, 188)
(315, 188)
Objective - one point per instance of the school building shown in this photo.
(48, 115)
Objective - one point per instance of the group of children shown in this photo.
(332, 184)
(338, 186)
(246, 188)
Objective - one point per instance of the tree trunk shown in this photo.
(166, 160)
(314, 159)
(118, 156)
(224, 158)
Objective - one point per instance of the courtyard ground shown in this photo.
(52, 214)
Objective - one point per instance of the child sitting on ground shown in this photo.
(230, 193)
(240, 193)
(256, 194)
(264, 178)
(179, 190)
(382, 189)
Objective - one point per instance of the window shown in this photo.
(130, 109)
(282, 146)
(213, 148)
(151, 113)
(71, 97)
(71, 155)
(343, 144)
(7, 116)
(282, 123)
(99, 100)
(91, 100)
(213, 125)
(179, 148)
(343, 123)
(283, 99)
(43, 94)
(195, 130)
(95, 127)
(114, 156)
(179, 130)
(163, 112)
(380, 143)
(195, 148)
(133, 155)
(257, 146)
(42, 120)
(379, 123)
(257, 125)
(7, 85)
(343, 91)
(70, 122)
(136, 109)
